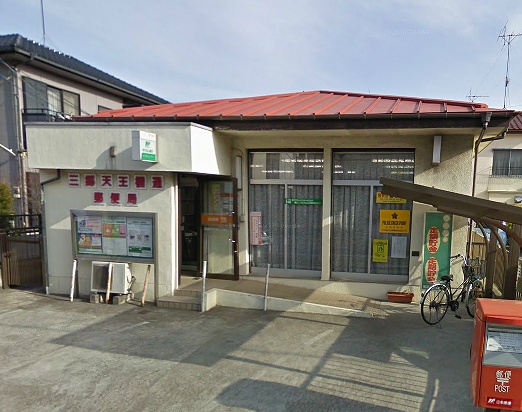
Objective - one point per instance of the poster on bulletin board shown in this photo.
(113, 235)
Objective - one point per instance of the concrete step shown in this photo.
(180, 302)
(188, 292)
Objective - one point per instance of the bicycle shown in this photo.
(439, 296)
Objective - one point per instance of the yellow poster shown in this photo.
(382, 198)
(394, 221)
(380, 250)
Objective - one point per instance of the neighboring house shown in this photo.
(40, 84)
(499, 167)
(290, 180)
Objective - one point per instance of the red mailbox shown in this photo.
(496, 355)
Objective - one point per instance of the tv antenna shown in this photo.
(43, 21)
(507, 39)
(472, 97)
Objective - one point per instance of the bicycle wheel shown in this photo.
(434, 304)
(474, 291)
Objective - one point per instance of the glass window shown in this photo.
(286, 165)
(41, 99)
(286, 189)
(358, 211)
(507, 162)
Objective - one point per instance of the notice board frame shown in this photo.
(91, 250)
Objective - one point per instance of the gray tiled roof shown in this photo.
(15, 43)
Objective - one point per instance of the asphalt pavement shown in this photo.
(57, 355)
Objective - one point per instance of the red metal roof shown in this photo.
(301, 104)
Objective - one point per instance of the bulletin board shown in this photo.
(114, 236)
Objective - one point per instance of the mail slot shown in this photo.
(496, 355)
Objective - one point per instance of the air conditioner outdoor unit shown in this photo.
(120, 281)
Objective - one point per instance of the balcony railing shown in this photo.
(501, 179)
(43, 115)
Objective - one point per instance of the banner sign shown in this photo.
(437, 247)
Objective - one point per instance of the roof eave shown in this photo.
(31, 57)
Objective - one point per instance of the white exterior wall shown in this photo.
(191, 148)
(183, 147)
(60, 199)
(82, 148)
(453, 174)
(500, 188)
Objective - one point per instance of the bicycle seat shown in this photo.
(446, 278)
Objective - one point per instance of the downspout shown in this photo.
(486, 117)
(44, 227)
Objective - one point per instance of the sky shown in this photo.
(193, 50)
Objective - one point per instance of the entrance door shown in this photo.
(190, 222)
(219, 228)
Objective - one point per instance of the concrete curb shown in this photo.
(229, 298)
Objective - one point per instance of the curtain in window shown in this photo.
(356, 213)
(270, 201)
(71, 103)
(500, 163)
(515, 163)
(304, 229)
(351, 214)
(54, 100)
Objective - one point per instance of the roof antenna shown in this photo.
(507, 38)
(472, 97)
(43, 21)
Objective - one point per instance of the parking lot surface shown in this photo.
(57, 355)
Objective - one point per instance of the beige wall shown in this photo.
(453, 174)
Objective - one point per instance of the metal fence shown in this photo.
(21, 250)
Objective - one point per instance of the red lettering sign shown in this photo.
(157, 182)
(432, 269)
(89, 180)
(140, 182)
(106, 180)
(74, 180)
(98, 197)
(132, 199)
(115, 198)
(433, 239)
(123, 181)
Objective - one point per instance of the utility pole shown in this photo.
(507, 39)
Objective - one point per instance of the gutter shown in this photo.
(44, 230)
